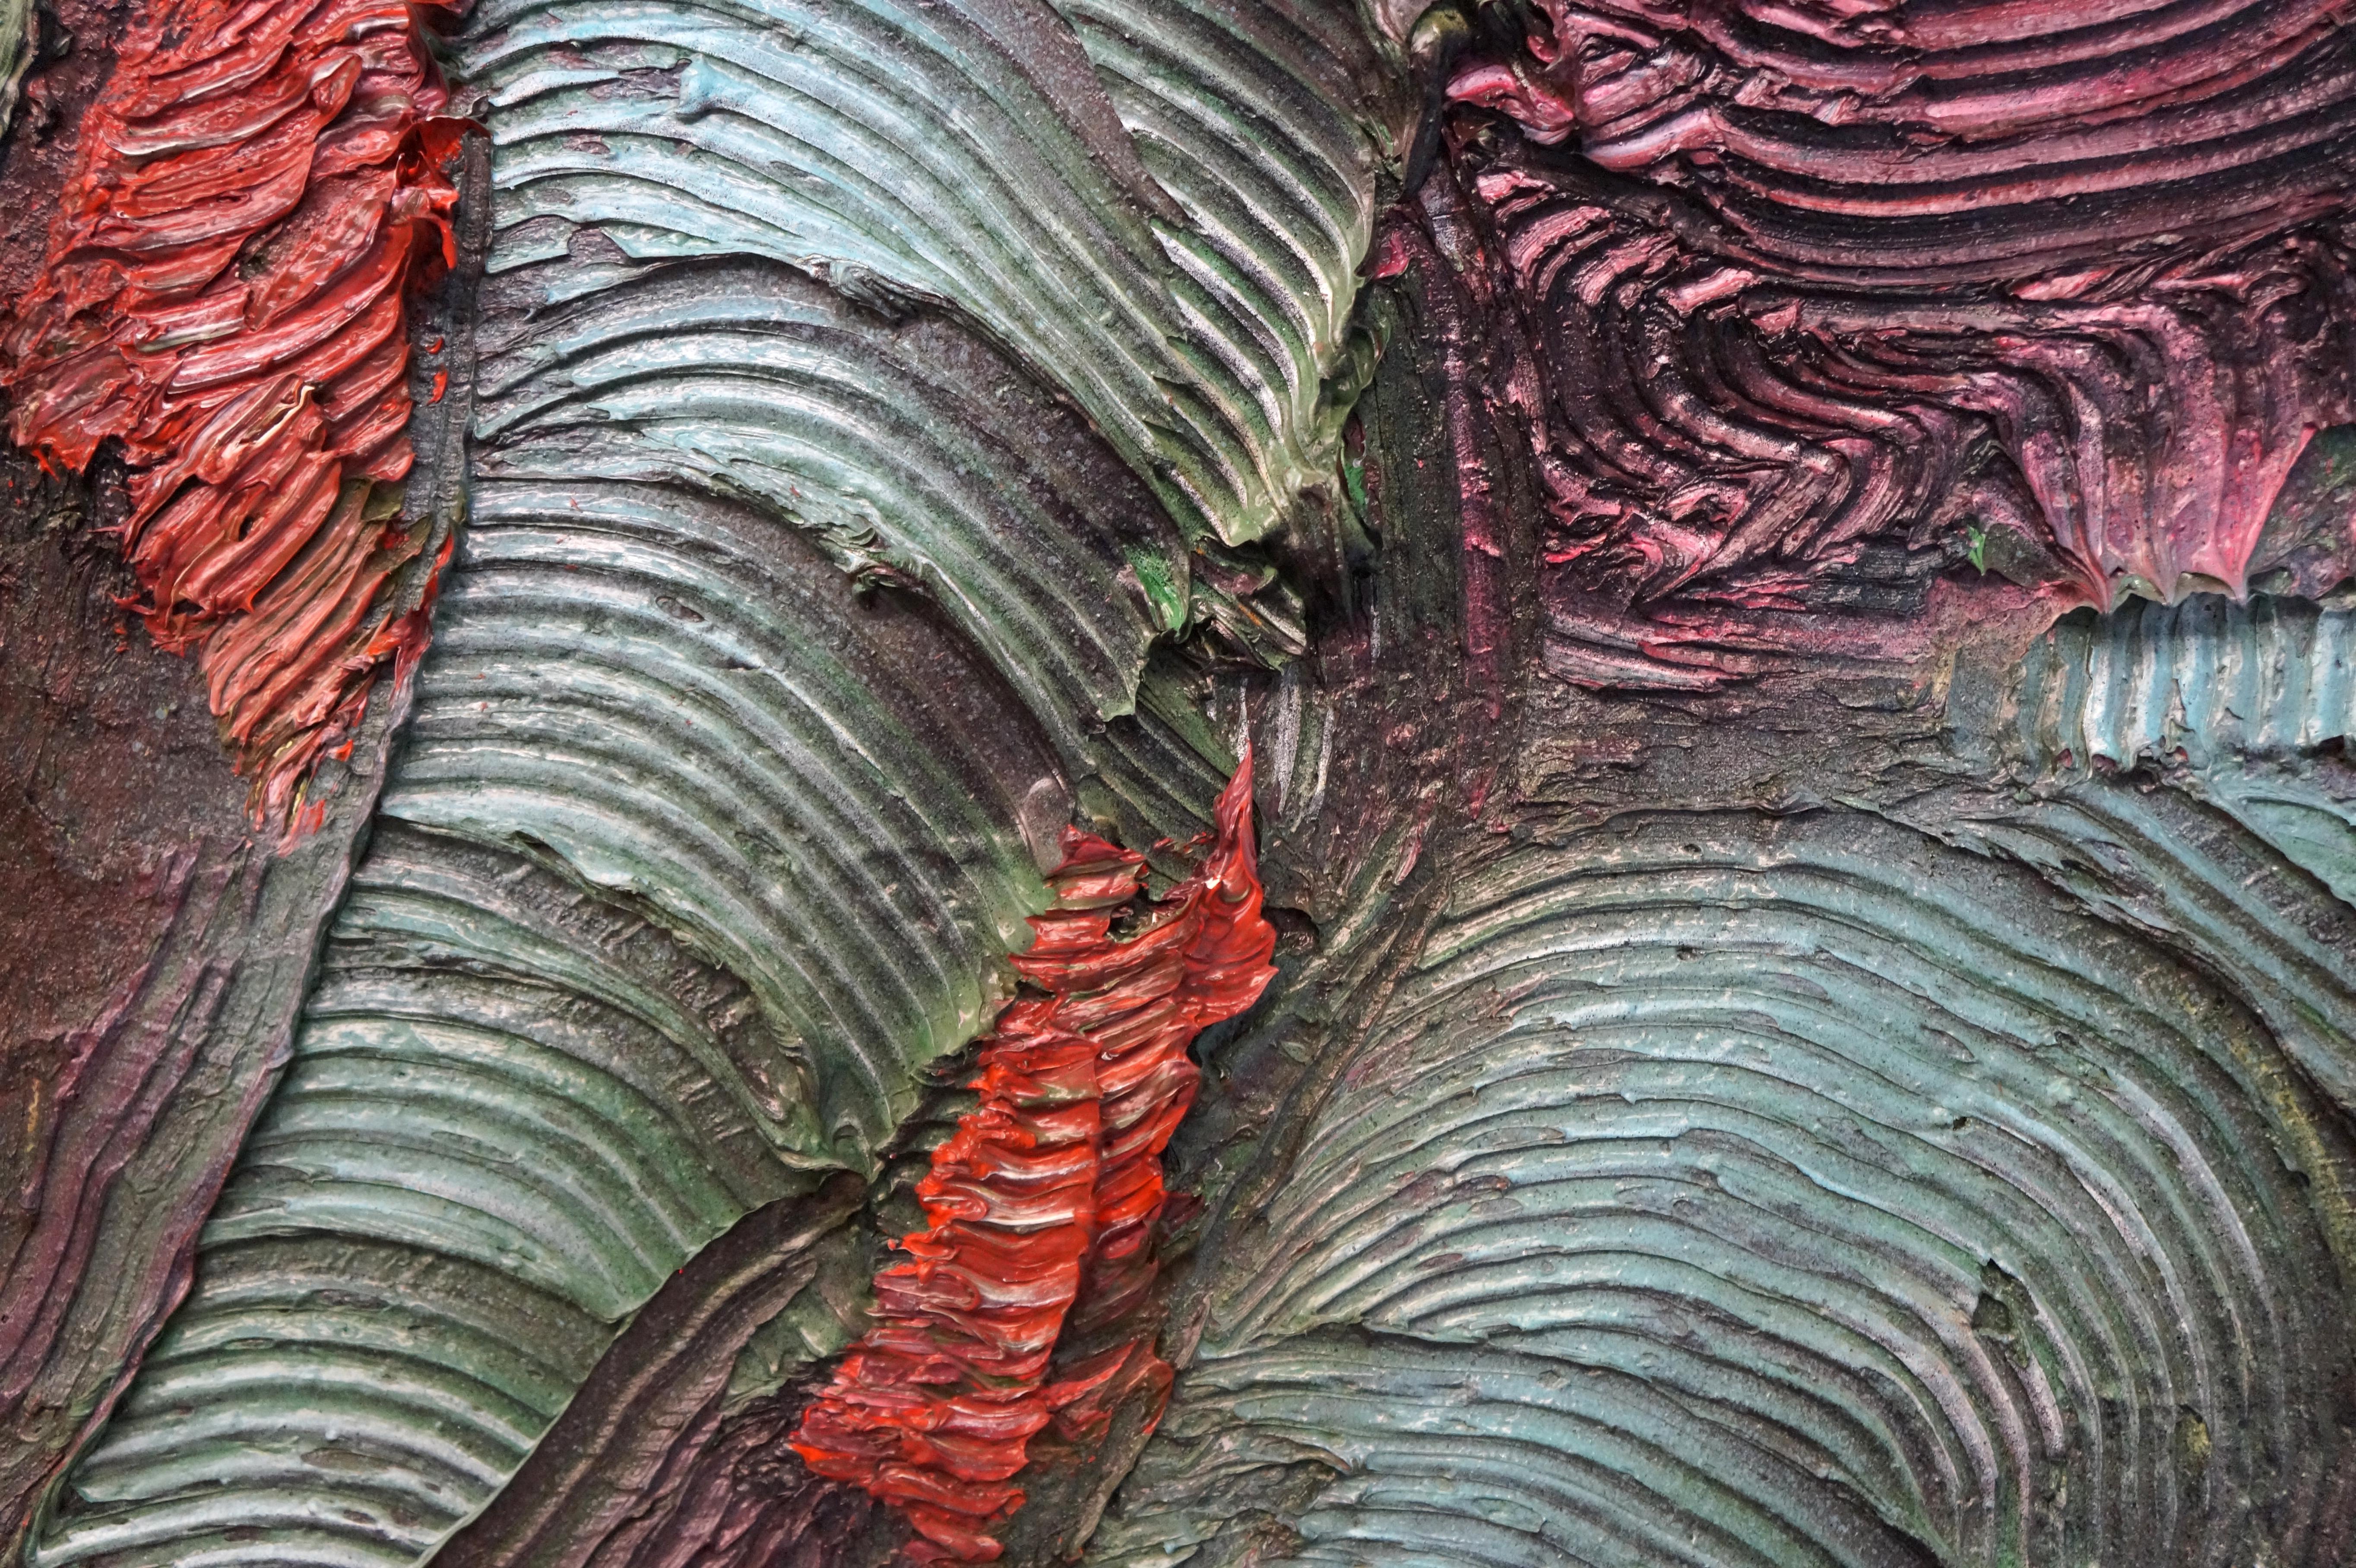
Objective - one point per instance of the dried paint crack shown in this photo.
(1042, 1205)
(259, 186)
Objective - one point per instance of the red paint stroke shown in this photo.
(1042, 1207)
(257, 188)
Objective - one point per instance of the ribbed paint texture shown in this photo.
(2235, 698)
(1040, 1207)
(780, 626)
(670, 906)
(1159, 212)
(255, 191)
(1720, 1189)
(1828, 300)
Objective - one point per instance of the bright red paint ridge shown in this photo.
(256, 190)
(1046, 1198)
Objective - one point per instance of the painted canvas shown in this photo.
(1346, 784)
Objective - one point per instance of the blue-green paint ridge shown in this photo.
(1721, 1188)
(2242, 702)
(968, 156)
(692, 862)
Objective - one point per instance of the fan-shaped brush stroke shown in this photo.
(1723, 1189)
(966, 154)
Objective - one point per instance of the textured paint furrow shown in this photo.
(630, 684)
(615, 1480)
(487, 1151)
(912, 454)
(1730, 1190)
(778, 624)
(257, 191)
(2246, 706)
(1971, 143)
(969, 156)
(1726, 449)
(1826, 307)
(156, 950)
(692, 862)
(1046, 1196)
(2205, 681)
(1245, 118)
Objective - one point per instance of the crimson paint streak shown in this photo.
(1042, 1205)
(1847, 324)
(257, 187)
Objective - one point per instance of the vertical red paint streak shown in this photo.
(1041, 1208)
(255, 192)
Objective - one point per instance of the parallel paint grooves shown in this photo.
(903, 151)
(1722, 1190)
(2209, 677)
(1040, 1207)
(909, 455)
(511, 1089)
(1938, 146)
(696, 857)
(255, 194)
(2236, 698)
(466, 1182)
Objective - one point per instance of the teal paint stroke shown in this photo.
(1726, 1189)
(1160, 210)
(683, 878)
(783, 622)
(908, 452)
(2239, 697)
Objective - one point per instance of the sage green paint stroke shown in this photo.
(1723, 1189)
(2239, 695)
(908, 453)
(696, 858)
(692, 863)
(2211, 678)
(485, 1148)
(922, 152)
(19, 29)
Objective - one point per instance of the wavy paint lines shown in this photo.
(1042, 1205)
(257, 187)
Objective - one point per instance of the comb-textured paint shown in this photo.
(1047, 1194)
(776, 628)
(2238, 699)
(257, 188)
(1172, 245)
(911, 454)
(592, 998)
(1722, 1190)
(1830, 301)
(1757, 1073)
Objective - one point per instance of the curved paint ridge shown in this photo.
(914, 155)
(1824, 307)
(1725, 1190)
(2241, 703)
(691, 863)
(259, 186)
(914, 455)
(1047, 1195)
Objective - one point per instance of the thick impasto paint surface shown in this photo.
(1219, 781)
(1042, 1205)
(257, 191)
